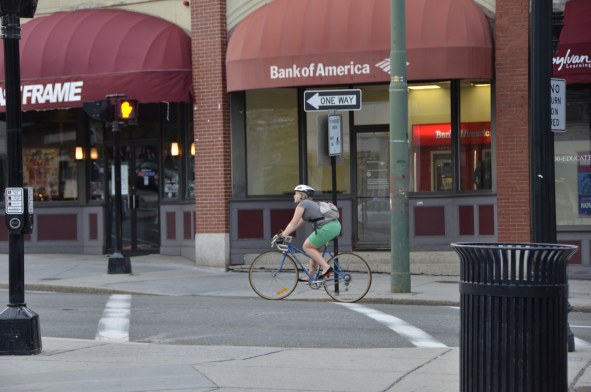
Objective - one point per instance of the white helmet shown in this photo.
(308, 190)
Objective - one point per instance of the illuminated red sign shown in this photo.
(440, 134)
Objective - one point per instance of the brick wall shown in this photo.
(512, 120)
(213, 185)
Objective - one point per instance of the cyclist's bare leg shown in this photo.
(316, 256)
(313, 266)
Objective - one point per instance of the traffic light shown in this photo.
(126, 110)
(99, 110)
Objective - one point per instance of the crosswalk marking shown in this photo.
(411, 333)
(114, 325)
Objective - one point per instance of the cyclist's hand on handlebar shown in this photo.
(277, 239)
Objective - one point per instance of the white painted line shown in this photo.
(581, 343)
(580, 326)
(413, 334)
(114, 325)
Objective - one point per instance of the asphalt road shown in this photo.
(194, 320)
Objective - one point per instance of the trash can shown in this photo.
(513, 316)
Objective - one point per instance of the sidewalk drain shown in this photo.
(447, 281)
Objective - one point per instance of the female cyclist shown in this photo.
(324, 229)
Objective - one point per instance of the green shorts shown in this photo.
(325, 233)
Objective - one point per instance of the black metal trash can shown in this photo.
(513, 316)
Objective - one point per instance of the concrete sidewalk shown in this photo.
(79, 365)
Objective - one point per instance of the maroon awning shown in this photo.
(327, 42)
(71, 57)
(572, 60)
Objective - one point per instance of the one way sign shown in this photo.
(316, 100)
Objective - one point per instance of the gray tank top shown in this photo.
(311, 211)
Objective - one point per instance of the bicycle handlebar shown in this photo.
(281, 245)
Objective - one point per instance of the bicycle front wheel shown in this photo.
(273, 275)
(351, 279)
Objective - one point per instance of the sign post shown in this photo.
(542, 176)
(335, 137)
(333, 100)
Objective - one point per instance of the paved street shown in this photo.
(95, 365)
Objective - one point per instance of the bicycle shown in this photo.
(275, 274)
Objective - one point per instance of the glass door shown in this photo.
(373, 189)
(140, 181)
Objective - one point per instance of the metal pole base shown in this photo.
(569, 332)
(571, 341)
(19, 331)
(119, 264)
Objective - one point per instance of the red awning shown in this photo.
(328, 42)
(71, 57)
(572, 60)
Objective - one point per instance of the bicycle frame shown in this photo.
(293, 251)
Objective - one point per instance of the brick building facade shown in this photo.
(512, 120)
(213, 176)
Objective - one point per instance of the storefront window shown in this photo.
(49, 164)
(319, 161)
(572, 150)
(430, 126)
(375, 106)
(476, 136)
(173, 152)
(271, 141)
(429, 108)
(190, 165)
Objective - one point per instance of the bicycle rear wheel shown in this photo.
(273, 275)
(350, 280)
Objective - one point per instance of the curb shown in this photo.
(366, 300)
(77, 289)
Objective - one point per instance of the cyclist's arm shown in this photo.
(296, 222)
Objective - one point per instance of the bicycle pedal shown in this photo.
(316, 284)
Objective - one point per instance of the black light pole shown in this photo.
(123, 112)
(543, 210)
(19, 326)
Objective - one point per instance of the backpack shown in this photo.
(329, 210)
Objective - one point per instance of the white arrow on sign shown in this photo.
(316, 101)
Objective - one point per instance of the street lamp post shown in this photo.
(19, 327)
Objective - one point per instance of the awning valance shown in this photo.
(71, 57)
(572, 60)
(329, 42)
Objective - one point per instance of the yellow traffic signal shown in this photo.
(126, 110)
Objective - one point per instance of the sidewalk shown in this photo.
(79, 365)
